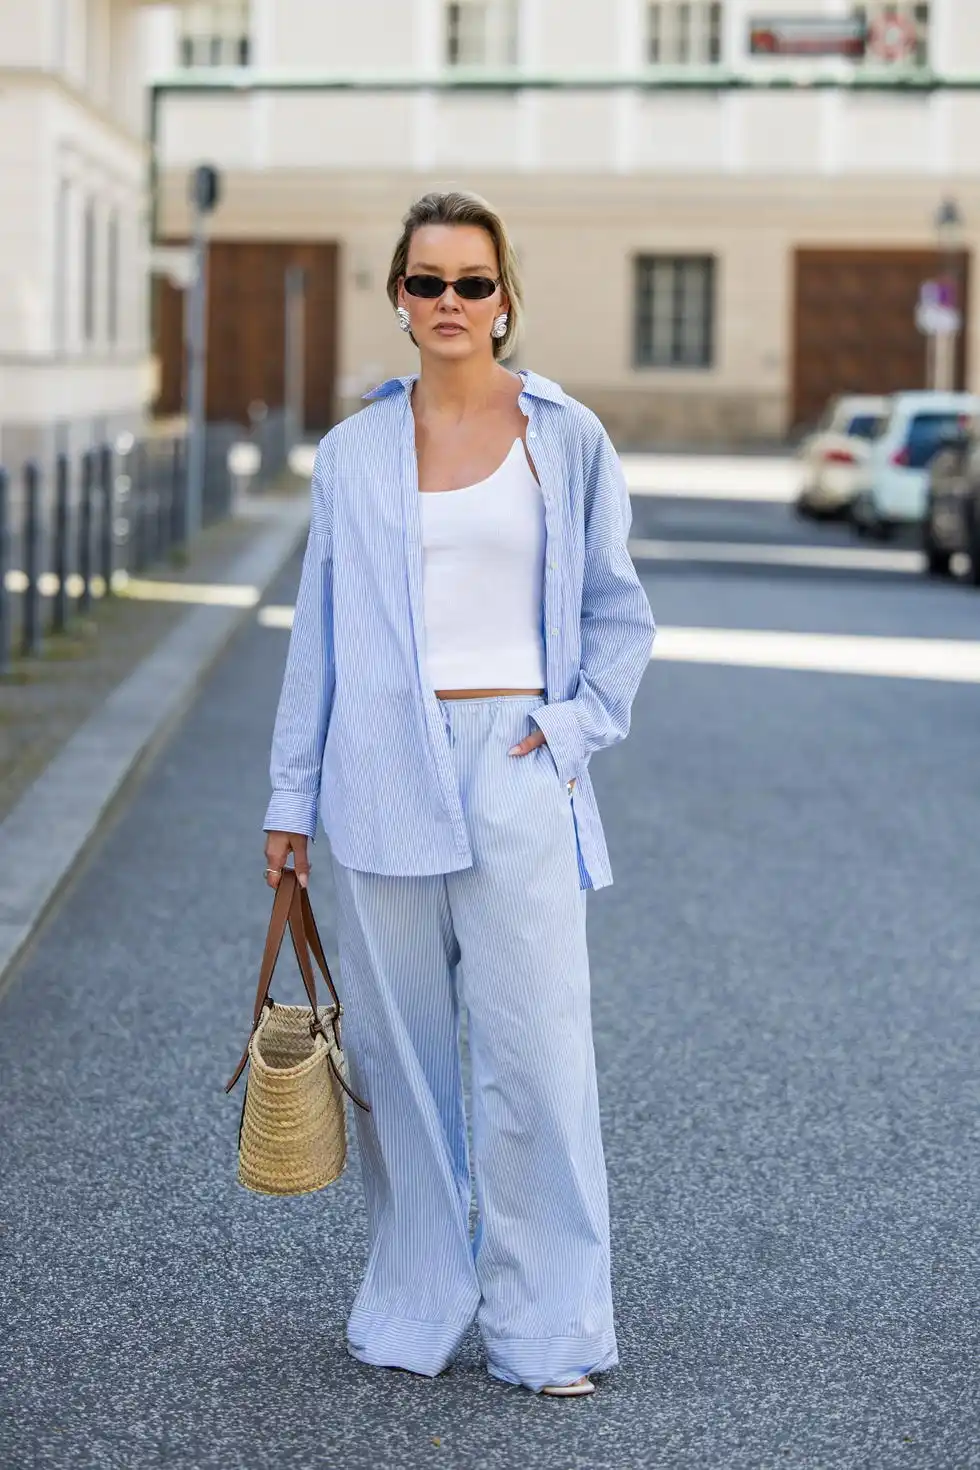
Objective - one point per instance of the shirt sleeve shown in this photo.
(617, 625)
(308, 682)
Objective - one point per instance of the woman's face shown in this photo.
(449, 327)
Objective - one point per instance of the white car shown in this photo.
(833, 455)
(895, 477)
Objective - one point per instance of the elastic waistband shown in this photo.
(530, 699)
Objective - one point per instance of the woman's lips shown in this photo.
(449, 329)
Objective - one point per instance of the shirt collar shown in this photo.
(534, 386)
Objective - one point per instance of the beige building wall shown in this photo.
(578, 272)
(71, 122)
(588, 179)
(373, 35)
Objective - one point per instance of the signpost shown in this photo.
(808, 36)
(893, 37)
(938, 318)
(205, 189)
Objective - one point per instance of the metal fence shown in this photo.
(113, 510)
(68, 536)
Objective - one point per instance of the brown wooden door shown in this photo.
(246, 330)
(168, 334)
(854, 328)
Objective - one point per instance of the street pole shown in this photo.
(204, 191)
(196, 337)
(949, 225)
(295, 354)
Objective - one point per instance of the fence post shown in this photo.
(107, 528)
(5, 628)
(136, 507)
(178, 503)
(31, 628)
(85, 532)
(59, 615)
(161, 519)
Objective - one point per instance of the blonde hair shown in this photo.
(457, 208)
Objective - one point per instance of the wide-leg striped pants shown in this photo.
(506, 938)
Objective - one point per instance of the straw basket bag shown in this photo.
(292, 1138)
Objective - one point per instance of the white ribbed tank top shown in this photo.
(483, 580)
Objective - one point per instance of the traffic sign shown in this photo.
(892, 37)
(936, 312)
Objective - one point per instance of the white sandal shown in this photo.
(579, 1390)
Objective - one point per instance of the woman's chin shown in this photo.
(451, 345)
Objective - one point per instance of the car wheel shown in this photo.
(973, 541)
(857, 515)
(937, 560)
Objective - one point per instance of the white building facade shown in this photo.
(75, 361)
(679, 195)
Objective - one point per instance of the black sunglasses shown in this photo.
(469, 288)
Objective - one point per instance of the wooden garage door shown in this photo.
(855, 326)
(246, 330)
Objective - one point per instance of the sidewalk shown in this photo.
(75, 722)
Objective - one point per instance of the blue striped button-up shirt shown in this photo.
(359, 735)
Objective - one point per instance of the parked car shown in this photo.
(832, 455)
(952, 519)
(893, 480)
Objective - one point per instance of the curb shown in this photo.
(64, 807)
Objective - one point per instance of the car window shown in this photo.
(926, 431)
(864, 425)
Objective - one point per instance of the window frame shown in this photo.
(214, 35)
(500, 40)
(684, 33)
(646, 356)
(90, 251)
(113, 256)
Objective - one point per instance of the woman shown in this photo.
(469, 628)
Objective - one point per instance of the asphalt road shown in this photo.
(785, 981)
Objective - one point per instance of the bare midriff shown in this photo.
(481, 693)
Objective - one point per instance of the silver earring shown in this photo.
(404, 320)
(499, 328)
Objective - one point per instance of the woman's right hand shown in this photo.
(278, 846)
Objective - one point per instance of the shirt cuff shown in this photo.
(292, 811)
(559, 724)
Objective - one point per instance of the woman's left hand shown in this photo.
(531, 742)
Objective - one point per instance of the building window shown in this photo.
(674, 311)
(112, 278)
(215, 34)
(62, 233)
(914, 21)
(684, 33)
(482, 33)
(88, 272)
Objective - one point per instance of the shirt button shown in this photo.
(555, 632)
(552, 566)
(532, 435)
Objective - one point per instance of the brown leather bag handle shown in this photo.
(291, 908)
(303, 932)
